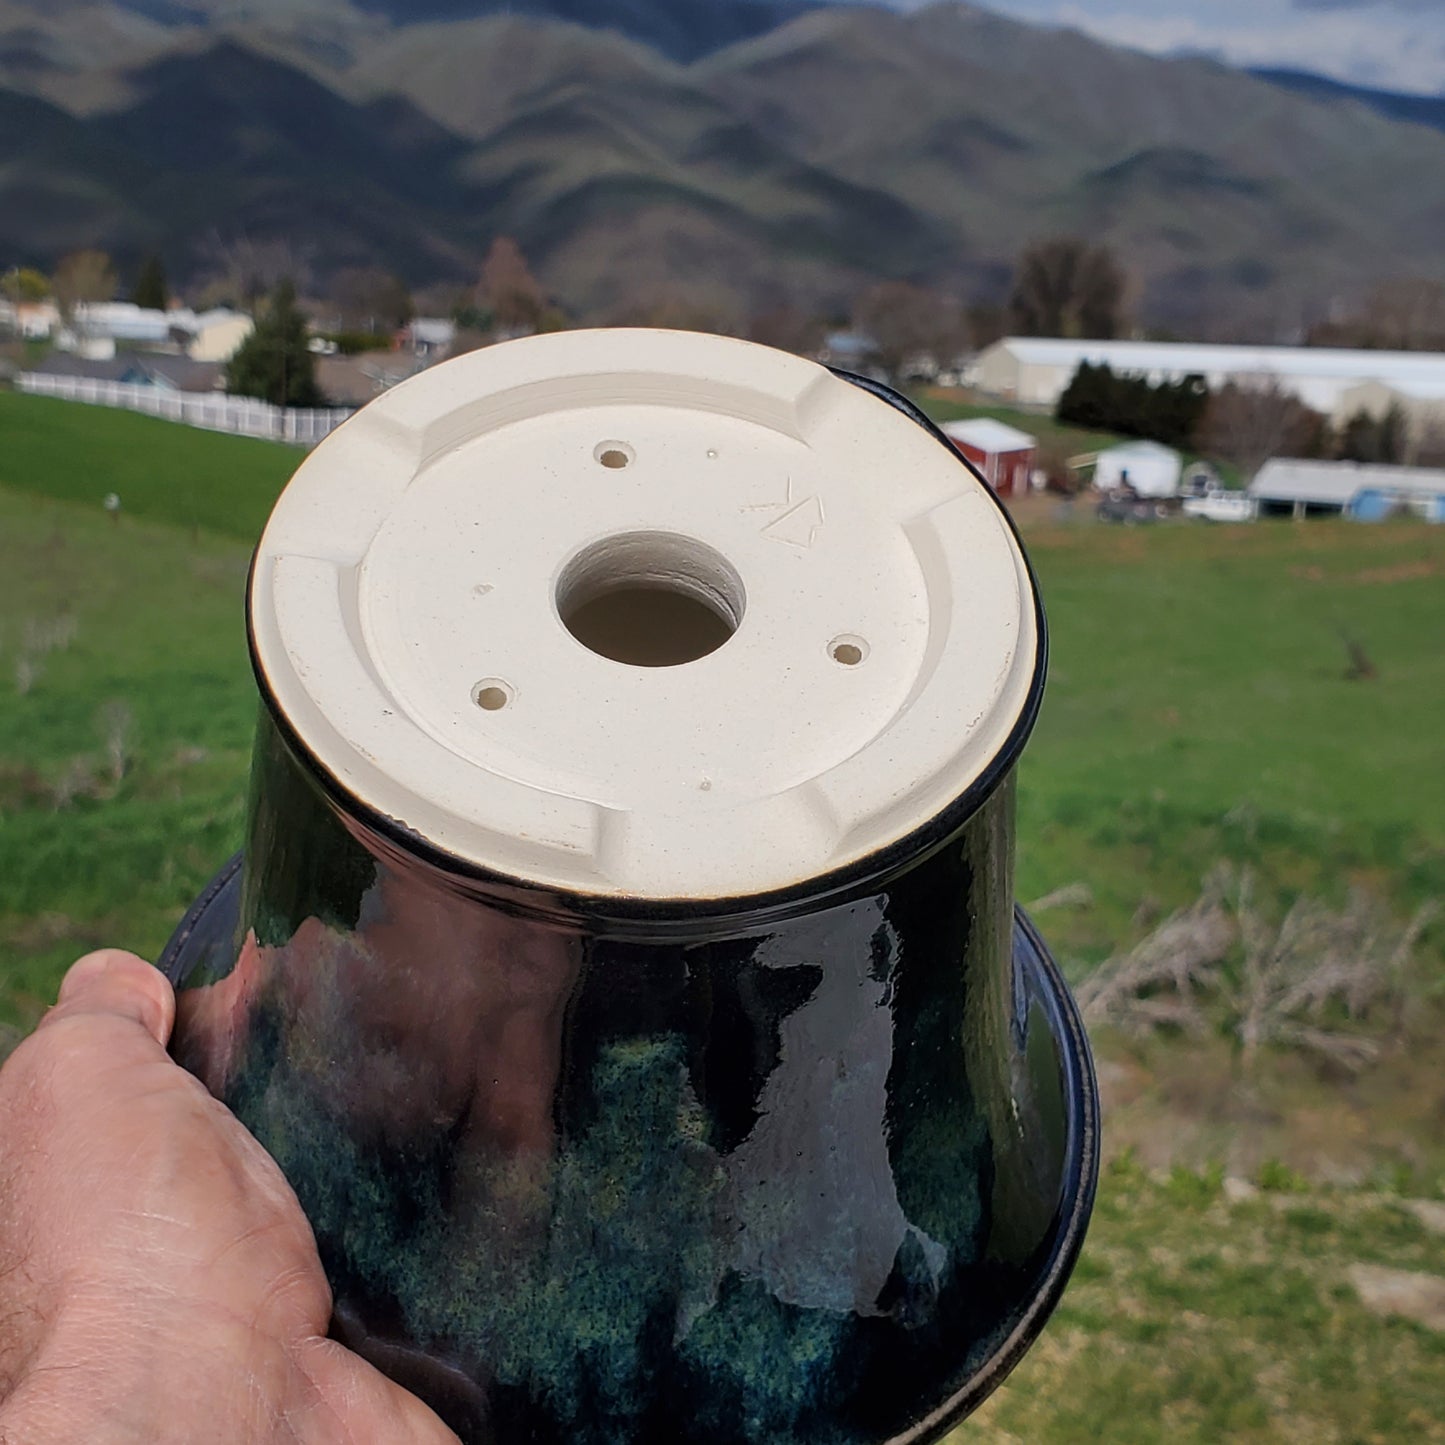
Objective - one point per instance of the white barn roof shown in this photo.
(1152, 451)
(988, 435)
(1337, 484)
(1187, 358)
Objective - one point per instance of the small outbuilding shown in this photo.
(1145, 468)
(1004, 454)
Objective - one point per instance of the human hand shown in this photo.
(158, 1280)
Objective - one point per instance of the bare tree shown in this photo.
(788, 328)
(508, 288)
(245, 269)
(1406, 314)
(82, 279)
(674, 308)
(371, 299)
(1248, 423)
(1065, 287)
(907, 321)
(1427, 447)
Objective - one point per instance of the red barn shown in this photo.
(1002, 453)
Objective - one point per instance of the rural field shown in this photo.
(1241, 765)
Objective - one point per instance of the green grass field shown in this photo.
(1199, 710)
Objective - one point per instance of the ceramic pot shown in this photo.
(622, 962)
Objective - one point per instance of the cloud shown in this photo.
(1365, 44)
(1411, 7)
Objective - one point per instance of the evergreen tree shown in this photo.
(150, 288)
(275, 362)
(1393, 436)
(1369, 438)
(1099, 400)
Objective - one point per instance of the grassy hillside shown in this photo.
(1200, 705)
(159, 470)
(145, 676)
(1198, 710)
(1196, 1320)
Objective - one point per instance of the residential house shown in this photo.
(136, 368)
(430, 336)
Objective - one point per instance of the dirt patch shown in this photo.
(1417, 570)
(1403, 1293)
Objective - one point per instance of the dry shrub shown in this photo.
(1310, 981)
(1158, 983)
(114, 724)
(39, 638)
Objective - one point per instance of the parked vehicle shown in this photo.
(1222, 506)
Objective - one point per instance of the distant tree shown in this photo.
(1098, 399)
(24, 283)
(987, 322)
(1088, 400)
(371, 299)
(83, 278)
(1248, 425)
(275, 362)
(1065, 287)
(1368, 438)
(508, 289)
(245, 270)
(674, 308)
(471, 317)
(789, 328)
(906, 321)
(442, 298)
(1429, 444)
(1053, 461)
(150, 288)
(1407, 314)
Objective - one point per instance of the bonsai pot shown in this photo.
(622, 963)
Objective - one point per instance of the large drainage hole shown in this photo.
(650, 599)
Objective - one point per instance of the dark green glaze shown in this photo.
(598, 1183)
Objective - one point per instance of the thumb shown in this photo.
(360, 1405)
(121, 985)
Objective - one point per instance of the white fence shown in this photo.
(215, 411)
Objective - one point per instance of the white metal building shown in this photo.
(1147, 468)
(1366, 493)
(1036, 371)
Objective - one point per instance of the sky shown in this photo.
(1392, 44)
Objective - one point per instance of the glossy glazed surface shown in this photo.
(817, 1178)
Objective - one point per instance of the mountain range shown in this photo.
(733, 153)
